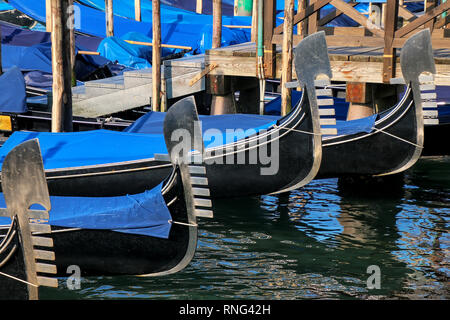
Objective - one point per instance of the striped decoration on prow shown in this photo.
(429, 103)
(200, 191)
(325, 103)
(42, 247)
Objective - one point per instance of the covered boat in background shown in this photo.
(273, 156)
(384, 143)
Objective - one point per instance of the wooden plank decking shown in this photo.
(352, 64)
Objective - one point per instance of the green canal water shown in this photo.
(315, 243)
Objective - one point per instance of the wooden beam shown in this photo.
(406, 14)
(137, 10)
(156, 56)
(351, 12)
(48, 15)
(217, 24)
(61, 68)
(300, 16)
(286, 58)
(199, 7)
(429, 5)
(389, 53)
(109, 14)
(333, 15)
(422, 20)
(302, 27)
(313, 20)
(71, 27)
(254, 32)
(172, 46)
(364, 41)
(203, 73)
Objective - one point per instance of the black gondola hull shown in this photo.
(377, 153)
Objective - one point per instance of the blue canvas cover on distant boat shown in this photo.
(217, 129)
(142, 214)
(92, 21)
(13, 97)
(126, 54)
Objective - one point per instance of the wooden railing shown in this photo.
(398, 24)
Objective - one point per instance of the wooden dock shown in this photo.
(349, 64)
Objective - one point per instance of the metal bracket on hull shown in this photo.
(24, 185)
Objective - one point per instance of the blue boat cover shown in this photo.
(13, 97)
(73, 149)
(92, 21)
(217, 129)
(143, 214)
(35, 63)
(130, 55)
(4, 6)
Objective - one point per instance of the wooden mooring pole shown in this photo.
(286, 58)
(199, 7)
(137, 10)
(109, 13)
(156, 56)
(217, 24)
(48, 15)
(254, 34)
(61, 68)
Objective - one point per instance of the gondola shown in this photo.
(385, 143)
(394, 139)
(106, 163)
(149, 234)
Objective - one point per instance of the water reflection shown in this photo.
(313, 243)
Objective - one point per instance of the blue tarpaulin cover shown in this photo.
(73, 149)
(143, 214)
(92, 21)
(13, 97)
(217, 129)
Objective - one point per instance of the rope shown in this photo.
(299, 131)
(396, 137)
(17, 279)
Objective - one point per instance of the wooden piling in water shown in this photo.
(137, 10)
(199, 7)
(71, 26)
(61, 68)
(109, 13)
(48, 15)
(254, 32)
(217, 24)
(156, 56)
(286, 58)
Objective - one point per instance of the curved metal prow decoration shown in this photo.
(181, 123)
(312, 60)
(416, 58)
(24, 184)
